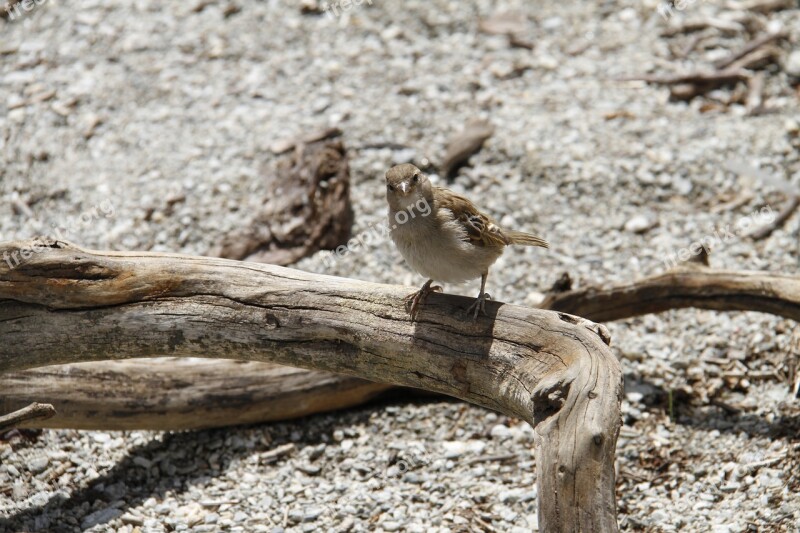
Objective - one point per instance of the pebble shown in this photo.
(100, 517)
(792, 64)
(500, 431)
(639, 224)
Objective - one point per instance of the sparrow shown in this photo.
(443, 236)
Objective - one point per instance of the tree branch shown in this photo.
(31, 412)
(62, 304)
(180, 393)
(685, 286)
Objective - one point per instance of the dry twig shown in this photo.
(32, 412)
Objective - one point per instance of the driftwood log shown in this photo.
(61, 304)
(690, 285)
(183, 394)
(179, 393)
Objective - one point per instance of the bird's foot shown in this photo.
(479, 306)
(415, 299)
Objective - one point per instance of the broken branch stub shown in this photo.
(67, 305)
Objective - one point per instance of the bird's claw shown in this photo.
(479, 306)
(415, 299)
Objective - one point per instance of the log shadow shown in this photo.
(195, 456)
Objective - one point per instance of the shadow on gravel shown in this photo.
(195, 456)
(714, 415)
(198, 456)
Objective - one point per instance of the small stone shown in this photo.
(659, 517)
(101, 437)
(311, 470)
(100, 517)
(635, 397)
(509, 496)
(133, 520)
(639, 224)
(142, 461)
(312, 513)
(295, 516)
(792, 64)
(453, 449)
(733, 486)
(500, 431)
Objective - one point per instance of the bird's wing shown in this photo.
(481, 230)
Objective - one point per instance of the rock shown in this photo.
(311, 470)
(101, 437)
(312, 513)
(509, 496)
(639, 224)
(792, 64)
(131, 519)
(142, 461)
(500, 431)
(100, 517)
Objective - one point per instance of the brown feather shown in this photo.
(481, 229)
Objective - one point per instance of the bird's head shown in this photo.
(406, 185)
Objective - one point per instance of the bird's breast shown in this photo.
(437, 247)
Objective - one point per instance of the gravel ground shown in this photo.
(146, 126)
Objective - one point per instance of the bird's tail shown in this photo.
(525, 239)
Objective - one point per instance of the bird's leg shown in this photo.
(415, 299)
(479, 305)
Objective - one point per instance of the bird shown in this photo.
(444, 236)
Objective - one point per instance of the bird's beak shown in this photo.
(403, 188)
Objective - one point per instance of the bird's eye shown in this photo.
(415, 179)
(390, 187)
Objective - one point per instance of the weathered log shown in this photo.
(61, 304)
(140, 394)
(685, 286)
(179, 393)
